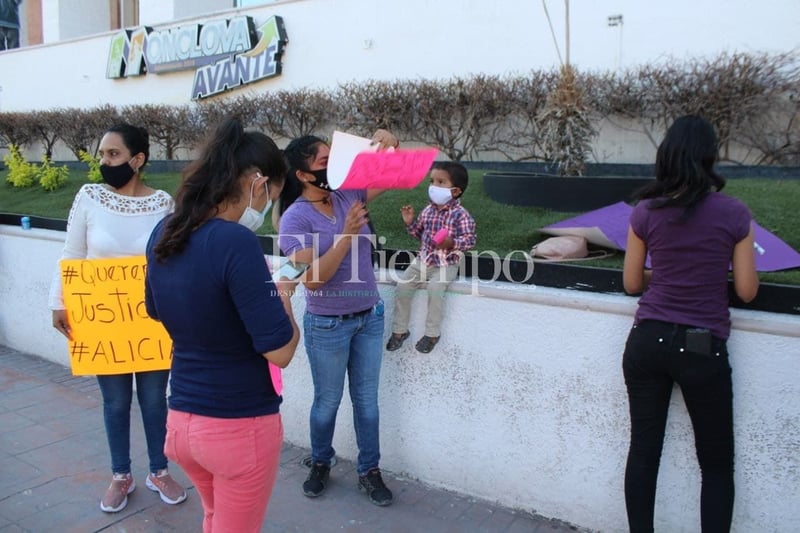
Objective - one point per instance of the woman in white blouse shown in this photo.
(108, 220)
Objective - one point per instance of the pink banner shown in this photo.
(398, 169)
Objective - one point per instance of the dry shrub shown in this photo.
(752, 99)
(291, 114)
(566, 126)
(82, 129)
(13, 130)
(748, 98)
(171, 127)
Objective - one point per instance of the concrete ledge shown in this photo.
(522, 402)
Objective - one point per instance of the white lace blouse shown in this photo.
(104, 224)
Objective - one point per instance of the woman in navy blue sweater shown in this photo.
(208, 283)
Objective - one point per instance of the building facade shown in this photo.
(68, 46)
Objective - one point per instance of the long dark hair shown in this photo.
(214, 178)
(685, 165)
(135, 139)
(299, 154)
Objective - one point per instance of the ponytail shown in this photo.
(214, 178)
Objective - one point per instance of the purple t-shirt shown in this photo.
(690, 261)
(352, 288)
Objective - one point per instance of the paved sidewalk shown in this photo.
(53, 470)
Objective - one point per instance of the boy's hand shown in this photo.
(408, 214)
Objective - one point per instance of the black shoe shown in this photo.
(317, 480)
(378, 492)
(396, 341)
(426, 344)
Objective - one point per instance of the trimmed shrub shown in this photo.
(51, 177)
(20, 172)
(94, 166)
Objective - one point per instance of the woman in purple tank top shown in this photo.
(693, 234)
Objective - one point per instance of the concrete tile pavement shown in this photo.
(54, 468)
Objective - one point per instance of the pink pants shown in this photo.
(232, 463)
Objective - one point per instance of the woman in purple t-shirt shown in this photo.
(343, 324)
(693, 234)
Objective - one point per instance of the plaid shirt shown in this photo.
(459, 224)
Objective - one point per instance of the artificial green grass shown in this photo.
(36, 201)
(505, 228)
(501, 228)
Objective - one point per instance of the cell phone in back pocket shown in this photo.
(698, 340)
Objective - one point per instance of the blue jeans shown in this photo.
(656, 357)
(151, 390)
(336, 346)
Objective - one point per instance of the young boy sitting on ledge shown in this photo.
(446, 230)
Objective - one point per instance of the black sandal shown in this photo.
(426, 344)
(396, 341)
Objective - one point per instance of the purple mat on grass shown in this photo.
(608, 227)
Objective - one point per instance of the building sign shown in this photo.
(225, 53)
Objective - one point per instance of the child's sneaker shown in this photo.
(116, 497)
(169, 489)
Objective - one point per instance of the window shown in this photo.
(124, 13)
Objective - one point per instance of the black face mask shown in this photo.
(117, 176)
(322, 179)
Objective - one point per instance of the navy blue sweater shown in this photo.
(219, 304)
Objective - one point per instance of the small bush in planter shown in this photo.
(51, 177)
(94, 166)
(20, 172)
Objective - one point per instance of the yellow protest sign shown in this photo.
(111, 331)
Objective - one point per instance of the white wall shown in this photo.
(78, 19)
(197, 8)
(362, 40)
(425, 38)
(50, 21)
(63, 19)
(522, 402)
(152, 12)
(681, 29)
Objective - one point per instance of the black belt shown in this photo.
(350, 315)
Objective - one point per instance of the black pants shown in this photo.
(655, 357)
(9, 38)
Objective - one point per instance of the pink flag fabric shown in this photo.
(356, 163)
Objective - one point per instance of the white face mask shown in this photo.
(252, 219)
(439, 195)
